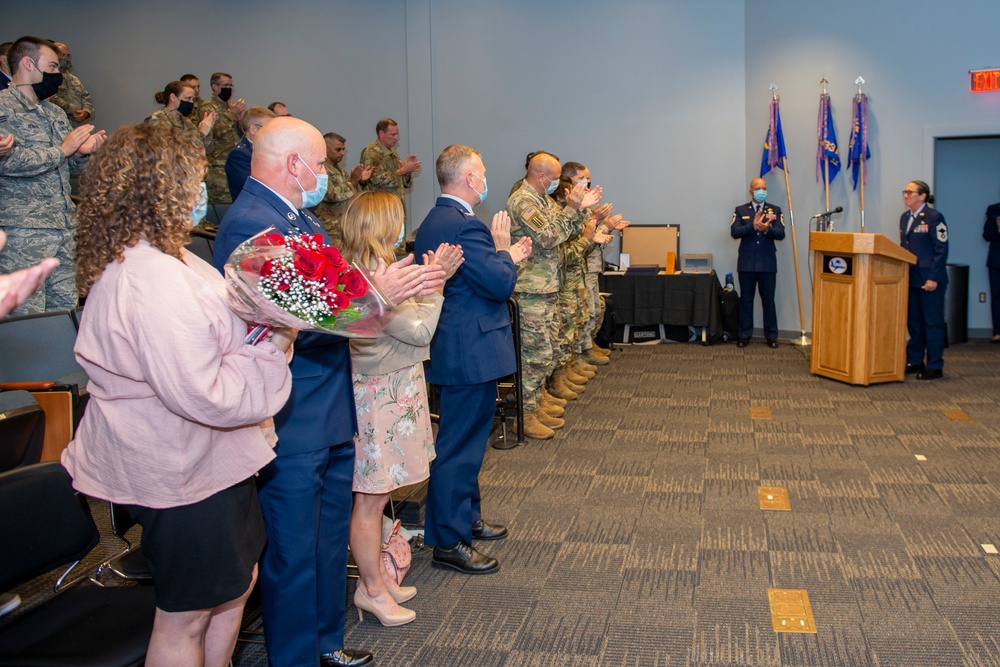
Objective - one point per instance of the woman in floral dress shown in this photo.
(394, 445)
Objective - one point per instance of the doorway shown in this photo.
(966, 181)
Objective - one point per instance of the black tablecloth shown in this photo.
(679, 299)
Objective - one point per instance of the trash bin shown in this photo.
(956, 304)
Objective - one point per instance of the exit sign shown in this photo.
(984, 80)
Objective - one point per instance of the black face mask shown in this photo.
(48, 86)
(225, 94)
(185, 108)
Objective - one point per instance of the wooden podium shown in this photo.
(860, 293)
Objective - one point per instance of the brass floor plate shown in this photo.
(790, 610)
(760, 412)
(773, 498)
(958, 415)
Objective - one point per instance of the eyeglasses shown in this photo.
(911, 192)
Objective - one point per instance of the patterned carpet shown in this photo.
(636, 538)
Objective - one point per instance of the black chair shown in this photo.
(45, 525)
(22, 425)
(131, 563)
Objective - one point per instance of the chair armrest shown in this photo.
(27, 386)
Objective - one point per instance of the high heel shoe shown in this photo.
(363, 604)
(402, 593)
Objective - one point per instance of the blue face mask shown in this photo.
(486, 189)
(402, 235)
(312, 197)
(759, 196)
(552, 187)
(201, 208)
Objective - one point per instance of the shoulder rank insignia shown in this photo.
(942, 232)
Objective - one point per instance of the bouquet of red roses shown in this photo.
(303, 283)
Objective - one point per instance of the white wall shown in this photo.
(914, 55)
(666, 100)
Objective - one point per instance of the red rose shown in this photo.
(269, 240)
(282, 287)
(268, 268)
(311, 239)
(355, 284)
(337, 300)
(310, 263)
(253, 264)
(334, 257)
(331, 277)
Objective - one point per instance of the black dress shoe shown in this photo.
(462, 557)
(914, 368)
(742, 342)
(930, 374)
(772, 343)
(487, 531)
(345, 658)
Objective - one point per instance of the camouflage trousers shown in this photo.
(217, 183)
(595, 313)
(572, 315)
(27, 247)
(538, 320)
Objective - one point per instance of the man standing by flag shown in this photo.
(758, 225)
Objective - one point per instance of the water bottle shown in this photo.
(729, 283)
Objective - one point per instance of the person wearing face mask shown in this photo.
(343, 186)
(472, 348)
(757, 224)
(226, 133)
(71, 97)
(173, 428)
(177, 99)
(535, 215)
(238, 161)
(35, 207)
(305, 492)
(394, 444)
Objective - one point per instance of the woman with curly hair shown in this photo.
(394, 445)
(178, 99)
(176, 397)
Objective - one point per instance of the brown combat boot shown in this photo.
(548, 420)
(549, 398)
(536, 430)
(584, 369)
(560, 390)
(551, 409)
(572, 376)
(603, 351)
(595, 359)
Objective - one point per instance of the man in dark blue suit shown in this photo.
(758, 225)
(991, 233)
(923, 231)
(472, 348)
(238, 160)
(305, 493)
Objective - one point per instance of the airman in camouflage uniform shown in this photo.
(165, 116)
(226, 134)
(342, 187)
(389, 172)
(535, 215)
(71, 97)
(36, 211)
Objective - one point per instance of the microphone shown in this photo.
(827, 214)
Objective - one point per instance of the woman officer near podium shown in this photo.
(923, 231)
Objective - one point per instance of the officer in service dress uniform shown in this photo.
(923, 231)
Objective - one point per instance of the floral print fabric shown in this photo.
(394, 445)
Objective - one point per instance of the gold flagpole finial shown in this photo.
(860, 82)
(823, 83)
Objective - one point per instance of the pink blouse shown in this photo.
(175, 394)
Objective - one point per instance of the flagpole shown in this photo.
(860, 81)
(826, 160)
(802, 339)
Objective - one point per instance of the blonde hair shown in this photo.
(370, 225)
(141, 185)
